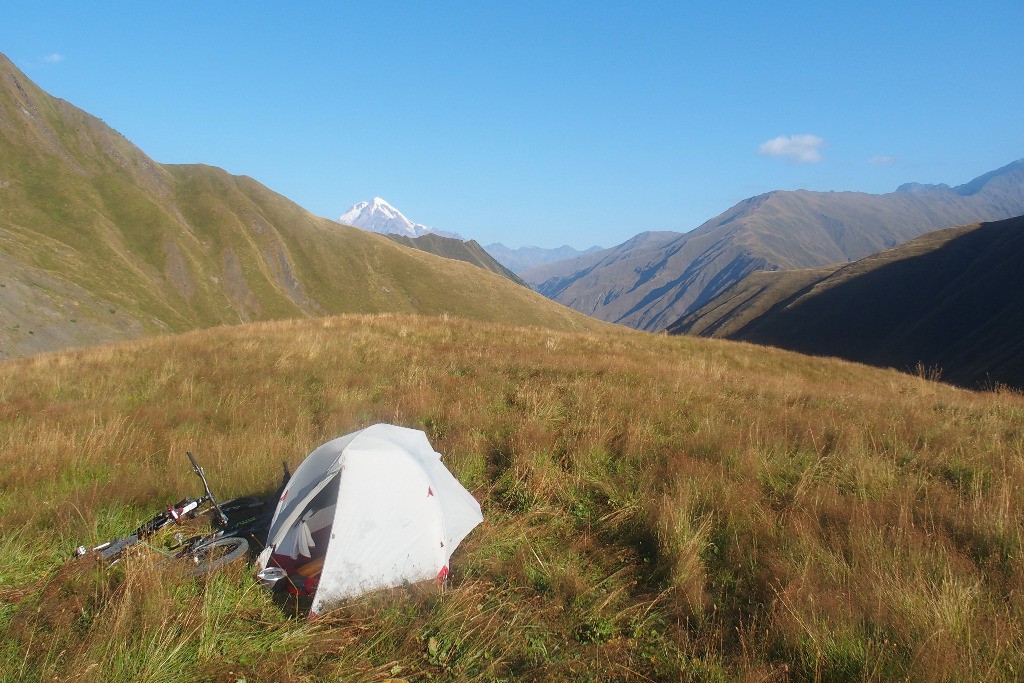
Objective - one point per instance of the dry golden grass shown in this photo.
(656, 508)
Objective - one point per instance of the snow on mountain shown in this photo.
(379, 216)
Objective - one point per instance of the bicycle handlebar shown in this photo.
(209, 494)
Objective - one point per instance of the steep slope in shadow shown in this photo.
(957, 308)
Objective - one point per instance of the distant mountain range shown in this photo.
(100, 243)
(381, 217)
(951, 302)
(653, 279)
(524, 258)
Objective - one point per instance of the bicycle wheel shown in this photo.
(217, 554)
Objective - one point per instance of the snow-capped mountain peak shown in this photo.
(377, 215)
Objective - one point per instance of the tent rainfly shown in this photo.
(369, 510)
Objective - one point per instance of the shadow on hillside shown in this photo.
(958, 308)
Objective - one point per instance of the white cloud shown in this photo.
(53, 58)
(799, 149)
(882, 160)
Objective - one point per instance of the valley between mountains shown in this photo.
(657, 507)
(653, 279)
(100, 243)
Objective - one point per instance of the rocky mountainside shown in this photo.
(100, 243)
(652, 280)
(950, 302)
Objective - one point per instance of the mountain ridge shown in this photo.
(524, 258)
(469, 251)
(101, 243)
(648, 284)
(378, 216)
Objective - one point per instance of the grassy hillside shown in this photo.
(99, 243)
(469, 251)
(656, 508)
(951, 301)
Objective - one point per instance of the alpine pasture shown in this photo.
(655, 508)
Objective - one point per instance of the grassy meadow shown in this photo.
(656, 508)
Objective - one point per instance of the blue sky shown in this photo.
(544, 122)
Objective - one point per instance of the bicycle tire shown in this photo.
(210, 556)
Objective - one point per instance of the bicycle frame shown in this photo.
(249, 520)
(209, 494)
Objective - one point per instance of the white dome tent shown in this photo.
(372, 509)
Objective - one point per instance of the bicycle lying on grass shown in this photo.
(238, 522)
